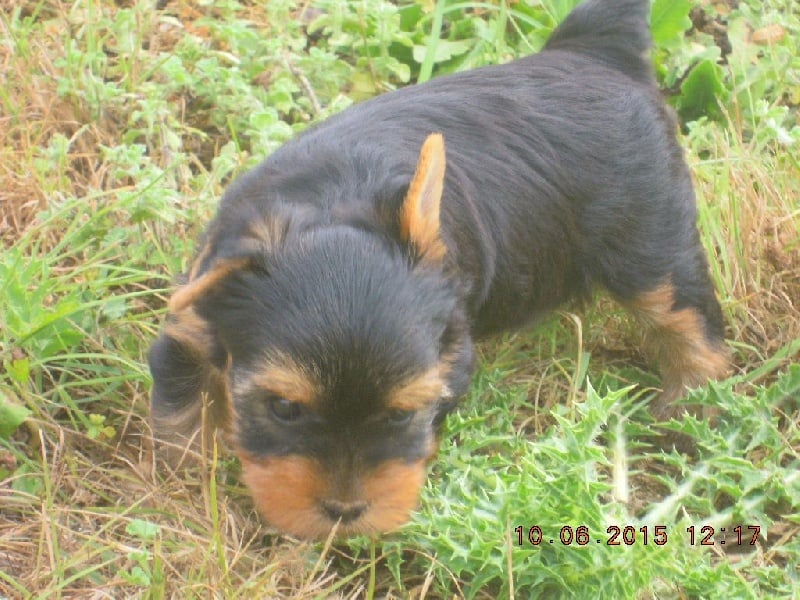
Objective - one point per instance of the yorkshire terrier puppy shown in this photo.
(327, 322)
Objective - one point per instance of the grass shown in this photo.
(120, 125)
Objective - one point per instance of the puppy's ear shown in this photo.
(189, 389)
(419, 213)
(231, 245)
(189, 398)
(188, 294)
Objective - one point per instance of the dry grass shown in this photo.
(752, 224)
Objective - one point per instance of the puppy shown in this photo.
(328, 319)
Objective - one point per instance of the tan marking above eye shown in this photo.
(286, 379)
(417, 392)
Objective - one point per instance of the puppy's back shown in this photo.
(614, 31)
(531, 147)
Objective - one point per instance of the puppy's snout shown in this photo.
(346, 511)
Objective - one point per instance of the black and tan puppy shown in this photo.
(328, 319)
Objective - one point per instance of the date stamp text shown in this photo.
(629, 535)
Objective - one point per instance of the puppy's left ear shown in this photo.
(419, 213)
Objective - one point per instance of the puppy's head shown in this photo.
(345, 349)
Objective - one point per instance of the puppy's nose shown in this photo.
(346, 511)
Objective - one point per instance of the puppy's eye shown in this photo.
(285, 411)
(398, 418)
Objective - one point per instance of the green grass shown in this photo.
(119, 127)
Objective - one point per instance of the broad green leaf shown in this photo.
(12, 415)
(701, 91)
(668, 20)
(19, 369)
(144, 530)
(137, 576)
(444, 51)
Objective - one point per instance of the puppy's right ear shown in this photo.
(189, 388)
(190, 397)
(419, 213)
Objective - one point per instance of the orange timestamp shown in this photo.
(629, 535)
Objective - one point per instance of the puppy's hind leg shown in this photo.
(685, 336)
(660, 273)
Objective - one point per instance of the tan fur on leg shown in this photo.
(678, 342)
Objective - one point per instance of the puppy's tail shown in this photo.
(614, 31)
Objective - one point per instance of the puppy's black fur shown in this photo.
(330, 313)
